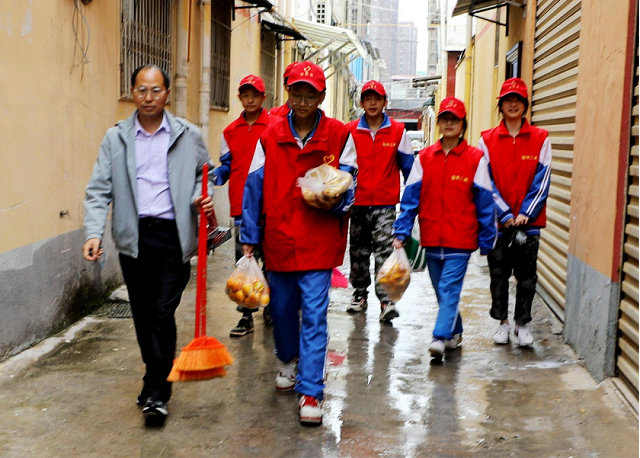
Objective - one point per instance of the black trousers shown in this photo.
(155, 281)
(506, 258)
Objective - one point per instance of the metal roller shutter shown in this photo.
(555, 82)
(627, 363)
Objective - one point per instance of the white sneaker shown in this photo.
(501, 336)
(436, 348)
(525, 338)
(453, 343)
(310, 410)
(286, 379)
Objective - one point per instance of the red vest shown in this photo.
(297, 236)
(447, 211)
(514, 162)
(378, 171)
(242, 139)
(280, 112)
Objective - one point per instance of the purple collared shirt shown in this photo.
(154, 198)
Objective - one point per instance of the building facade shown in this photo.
(81, 75)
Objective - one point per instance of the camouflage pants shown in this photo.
(508, 257)
(371, 233)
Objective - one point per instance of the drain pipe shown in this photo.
(205, 71)
(182, 57)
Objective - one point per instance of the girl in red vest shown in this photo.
(237, 146)
(519, 158)
(450, 191)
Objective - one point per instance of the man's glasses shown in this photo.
(141, 92)
(308, 100)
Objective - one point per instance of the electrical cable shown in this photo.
(80, 26)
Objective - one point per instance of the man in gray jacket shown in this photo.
(149, 169)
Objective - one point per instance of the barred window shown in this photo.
(220, 53)
(268, 66)
(146, 38)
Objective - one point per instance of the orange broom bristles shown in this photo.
(202, 354)
(190, 376)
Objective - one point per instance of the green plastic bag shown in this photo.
(417, 254)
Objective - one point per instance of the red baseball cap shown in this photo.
(254, 81)
(374, 86)
(514, 86)
(453, 106)
(287, 71)
(310, 73)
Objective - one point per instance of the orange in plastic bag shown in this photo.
(247, 286)
(395, 274)
(323, 186)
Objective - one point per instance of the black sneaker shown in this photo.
(155, 411)
(266, 316)
(358, 304)
(244, 327)
(388, 312)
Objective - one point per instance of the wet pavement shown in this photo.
(385, 396)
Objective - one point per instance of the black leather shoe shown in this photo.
(142, 399)
(155, 411)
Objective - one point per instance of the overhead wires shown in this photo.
(82, 34)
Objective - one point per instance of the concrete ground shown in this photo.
(74, 396)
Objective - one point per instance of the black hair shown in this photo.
(165, 75)
(370, 90)
(522, 99)
(286, 80)
(464, 125)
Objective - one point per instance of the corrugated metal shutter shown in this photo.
(627, 363)
(555, 82)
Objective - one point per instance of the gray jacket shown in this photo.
(114, 180)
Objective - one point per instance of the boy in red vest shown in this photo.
(237, 145)
(302, 244)
(283, 110)
(384, 150)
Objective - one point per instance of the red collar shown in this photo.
(262, 119)
(457, 150)
(525, 129)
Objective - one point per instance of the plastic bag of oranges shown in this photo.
(247, 286)
(394, 275)
(323, 186)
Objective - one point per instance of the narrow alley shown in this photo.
(385, 396)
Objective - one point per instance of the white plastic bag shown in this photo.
(323, 186)
(395, 274)
(247, 286)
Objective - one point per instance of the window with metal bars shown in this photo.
(146, 38)
(268, 67)
(220, 53)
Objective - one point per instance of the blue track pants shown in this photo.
(447, 276)
(306, 338)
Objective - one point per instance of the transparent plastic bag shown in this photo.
(395, 274)
(247, 286)
(323, 186)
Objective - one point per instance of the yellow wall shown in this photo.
(52, 115)
(598, 129)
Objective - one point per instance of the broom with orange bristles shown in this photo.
(204, 357)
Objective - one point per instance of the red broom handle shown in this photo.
(201, 281)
